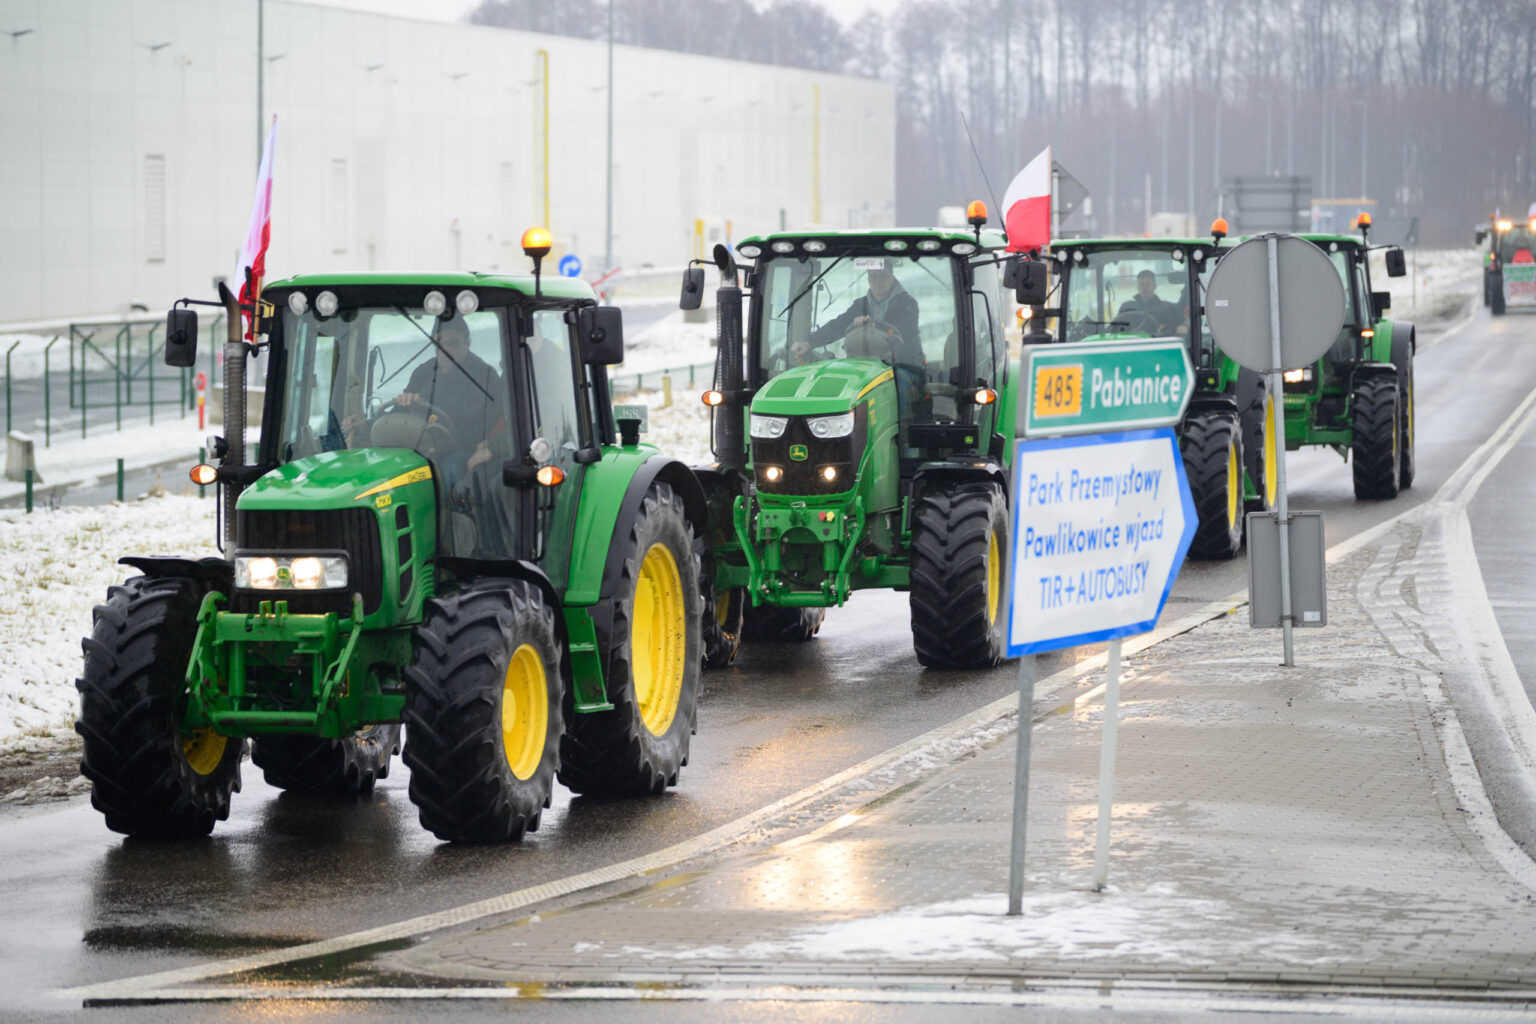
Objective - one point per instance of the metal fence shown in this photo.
(103, 371)
(697, 375)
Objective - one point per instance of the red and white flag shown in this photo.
(1027, 206)
(253, 254)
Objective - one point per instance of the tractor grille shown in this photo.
(353, 530)
(803, 476)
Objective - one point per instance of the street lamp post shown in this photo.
(1364, 148)
(608, 224)
(261, 63)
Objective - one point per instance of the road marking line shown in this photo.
(1373, 1004)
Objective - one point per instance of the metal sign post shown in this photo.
(1021, 785)
(1282, 509)
(1107, 765)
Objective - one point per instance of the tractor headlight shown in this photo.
(298, 302)
(326, 303)
(824, 427)
(302, 572)
(768, 427)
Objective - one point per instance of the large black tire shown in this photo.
(723, 621)
(346, 767)
(1496, 295)
(484, 712)
(1252, 396)
(959, 565)
(1212, 444)
(654, 655)
(781, 625)
(1375, 450)
(146, 778)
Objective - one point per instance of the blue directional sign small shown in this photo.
(569, 265)
(1101, 525)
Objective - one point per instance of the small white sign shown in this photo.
(1101, 526)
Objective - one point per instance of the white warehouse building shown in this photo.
(130, 133)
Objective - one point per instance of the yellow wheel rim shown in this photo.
(1234, 485)
(524, 712)
(723, 608)
(994, 578)
(658, 639)
(1271, 453)
(204, 749)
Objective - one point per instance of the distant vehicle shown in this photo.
(1509, 263)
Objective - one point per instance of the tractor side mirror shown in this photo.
(693, 289)
(1380, 303)
(1031, 283)
(1396, 265)
(181, 338)
(1479, 235)
(601, 330)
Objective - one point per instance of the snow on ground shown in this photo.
(56, 565)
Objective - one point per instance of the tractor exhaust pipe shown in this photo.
(234, 405)
(730, 442)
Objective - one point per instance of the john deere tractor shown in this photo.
(863, 414)
(1358, 397)
(1114, 289)
(441, 527)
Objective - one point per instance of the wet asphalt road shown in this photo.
(83, 905)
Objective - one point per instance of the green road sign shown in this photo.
(1099, 386)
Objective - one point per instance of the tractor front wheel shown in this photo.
(654, 653)
(782, 625)
(483, 712)
(148, 777)
(345, 767)
(1375, 451)
(959, 560)
(1212, 445)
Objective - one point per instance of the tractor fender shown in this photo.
(215, 572)
(1223, 400)
(942, 475)
(1365, 370)
(1404, 346)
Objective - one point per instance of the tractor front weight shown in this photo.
(269, 672)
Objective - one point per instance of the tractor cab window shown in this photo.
(899, 309)
(1346, 346)
(1517, 245)
(548, 361)
(1127, 293)
(397, 377)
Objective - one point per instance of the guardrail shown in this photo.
(116, 364)
(696, 375)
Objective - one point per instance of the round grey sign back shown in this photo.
(1311, 304)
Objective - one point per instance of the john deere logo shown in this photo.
(798, 452)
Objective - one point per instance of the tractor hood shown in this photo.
(826, 387)
(356, 478)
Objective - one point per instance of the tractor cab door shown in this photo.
(548, 361)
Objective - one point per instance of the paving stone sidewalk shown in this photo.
(1272, 826)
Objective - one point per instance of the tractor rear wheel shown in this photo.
(723, 613)
(1375, 450)
(1402, 358)
(1496, 295)
(484, 712)
(309, 764)
(147, 777)
(654, 653)
(1212, 445)
(782, 625)
(959, 562)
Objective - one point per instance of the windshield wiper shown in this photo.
(437, 345)
(813, 282)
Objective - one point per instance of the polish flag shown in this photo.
(1027, 206)
(253, 254)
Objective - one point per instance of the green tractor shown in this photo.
(1358, 397)
(1114, 289)
(1509, 269)
(443, 527)
(863, 422)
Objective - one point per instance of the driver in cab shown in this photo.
(885, 304)
(465, 391)
(1146, 311)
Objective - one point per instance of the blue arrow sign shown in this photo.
(569, 265)
(1101, 525)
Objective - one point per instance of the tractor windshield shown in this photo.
(397, 377)
(1517, 245)
(896, 308)
(1137, 292)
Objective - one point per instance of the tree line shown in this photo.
(1427, 106)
